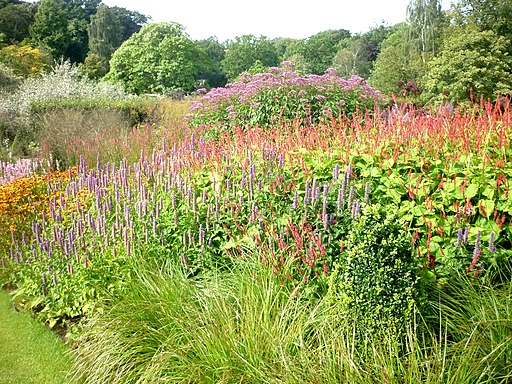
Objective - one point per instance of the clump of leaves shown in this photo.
(375, 281)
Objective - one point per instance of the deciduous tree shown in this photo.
(244, 51)
(160, 58)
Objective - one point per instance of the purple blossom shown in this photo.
(492, 247)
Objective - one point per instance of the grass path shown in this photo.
(29, 352)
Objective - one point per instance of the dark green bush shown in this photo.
(375, 281)
(136, 110)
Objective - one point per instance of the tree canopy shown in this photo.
(243, 52)
(160, 58)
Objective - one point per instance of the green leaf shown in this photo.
(471, 191)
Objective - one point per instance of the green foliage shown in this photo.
(93, 67)
(487, 15)
(352, 59)
(15, 20)
(375, 280)
(25, 60)
(425, 19)
(61, 26)
(109, 27)
(357, 54)
(31, 353)
(319, 50)
(105, 34)
(210, 72)
(396, 63)
(50, 27)
(159, 59)
(470, 60)
(8, 79)
(244, 51)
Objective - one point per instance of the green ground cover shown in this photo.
(30, 352)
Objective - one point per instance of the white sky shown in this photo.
(226, 19)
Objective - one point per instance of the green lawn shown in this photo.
(29, 351)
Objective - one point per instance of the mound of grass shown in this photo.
(30, 352)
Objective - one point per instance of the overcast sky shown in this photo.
(226, 19)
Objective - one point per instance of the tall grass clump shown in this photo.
(282, 96)
(242, 325)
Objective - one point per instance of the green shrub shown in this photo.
(375, 281)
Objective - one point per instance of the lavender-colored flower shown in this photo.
(477, 249)
(492, 247)
(295, 200)
(460, 237)
(466, 235)
(367, 192)
(351, 195)
(336, 172)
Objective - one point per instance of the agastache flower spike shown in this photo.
(351, 197)
(367, 193)
(466, 235)
(460, 237)
(492, 247)
(477, 250)
(336, 172)
(295, 200)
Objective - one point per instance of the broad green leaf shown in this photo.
(471, 191)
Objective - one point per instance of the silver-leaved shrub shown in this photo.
(64, 82)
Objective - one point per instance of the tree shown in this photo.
(492, 15)
(319, 50)
(425, 19)
(50, 27)
(470, 59)
(358, 53)
(61, 25)
(292, 50)
(105, 34)
(107, 30)
(396, 63)
(244, 51)
(5, 3)
(352, 59)
(15, 20)
(25, 60)
(131, 21)
(92, 67)
(79, 14)
(210, 72)
(160, 58)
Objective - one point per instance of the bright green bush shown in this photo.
(375, 281)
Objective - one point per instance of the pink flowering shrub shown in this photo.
(282, 96)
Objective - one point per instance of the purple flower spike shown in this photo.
(336, 172)
(477, 250)
(460, 237)
(492, 247)
(466, 235)
(367, 192)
